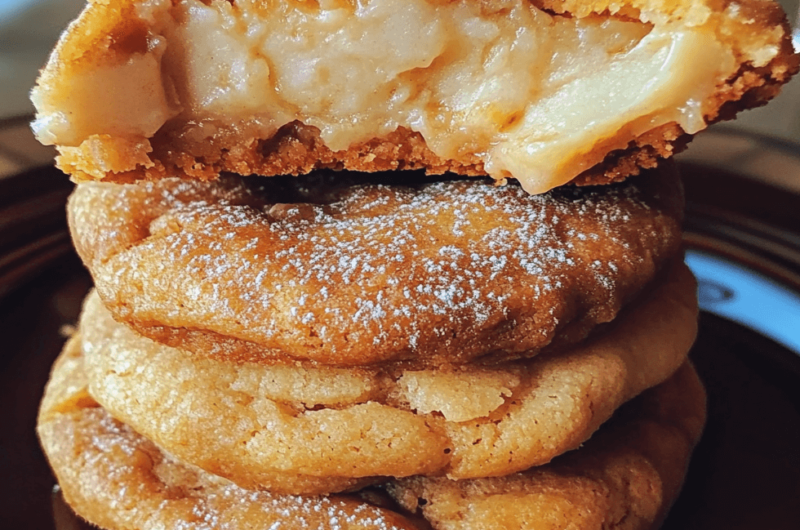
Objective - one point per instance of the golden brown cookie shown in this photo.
(357, 274)
(257, 424)
(119, 480)
(625, 478)
(545, 91)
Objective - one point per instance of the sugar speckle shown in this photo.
(406, 267)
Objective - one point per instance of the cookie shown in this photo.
(266, 270)
(117, 479)
(256, 424)
(626, 477)
(546, 91)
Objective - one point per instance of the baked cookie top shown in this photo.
(117, 479)
(345, 273)
(626, 477)
(264, 426)
(544, 91)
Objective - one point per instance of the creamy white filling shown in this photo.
(663, 79)
(528, 93)
(125, 99)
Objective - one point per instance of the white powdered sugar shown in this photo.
(387, 267)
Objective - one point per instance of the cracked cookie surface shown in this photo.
(117, 479)
(624, 478)
(262, 426)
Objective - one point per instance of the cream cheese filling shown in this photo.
(528, 93)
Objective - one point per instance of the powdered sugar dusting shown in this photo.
(396, 270)
(135, 484)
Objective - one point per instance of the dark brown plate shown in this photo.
(743, 236)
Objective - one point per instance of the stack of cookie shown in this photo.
(319, 334)
(370, 351)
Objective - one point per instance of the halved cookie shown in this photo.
(544, 91)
